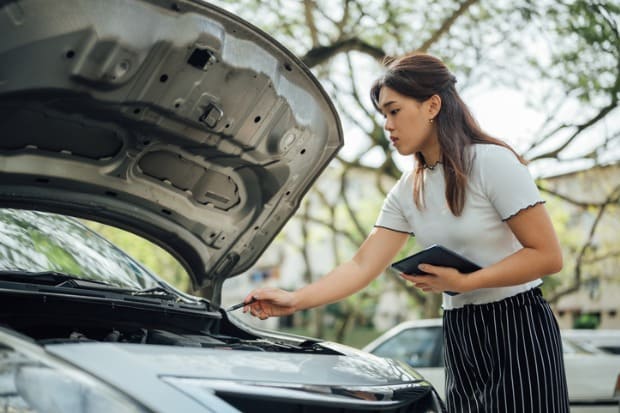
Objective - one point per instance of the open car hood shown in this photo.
(175, 120)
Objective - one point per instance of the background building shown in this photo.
(597, 301)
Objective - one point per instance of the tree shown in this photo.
(563, 55)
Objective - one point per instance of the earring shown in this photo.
(431, 120)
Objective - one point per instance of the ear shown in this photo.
(433, 106)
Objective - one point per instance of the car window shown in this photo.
(419, 347)
(32, 241)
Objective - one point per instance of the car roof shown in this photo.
(397, 329)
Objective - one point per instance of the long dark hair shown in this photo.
(421, 76)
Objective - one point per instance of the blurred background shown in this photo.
(542, 75)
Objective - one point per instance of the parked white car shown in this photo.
(600, 340)
(593, 375)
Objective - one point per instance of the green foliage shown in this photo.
(153, 257)
(587, 62)
(587, 321)
(56, 253)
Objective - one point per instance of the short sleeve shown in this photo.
(506, 181)
(392, 215)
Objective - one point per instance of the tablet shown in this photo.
(435, 255)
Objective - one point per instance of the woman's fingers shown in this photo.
(423, 282)
(256, 308)
(269, 302)
(437, 280)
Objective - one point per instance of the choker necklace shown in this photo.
(431, 167)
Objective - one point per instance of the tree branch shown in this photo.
(554, 153)
(304, 251)
(602, 257)
(352, 215)
(446, 25)
(320, 54)
(573, 201)
(310, 219)
(605, 110)
(613, 198)
(408, 287)
(356, 96)
(309, 13)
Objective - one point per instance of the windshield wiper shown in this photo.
(54, 278)
(60, 280)
(156, 292)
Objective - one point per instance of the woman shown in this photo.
(472, 194)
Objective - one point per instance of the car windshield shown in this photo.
(420, 347)
(37, 242)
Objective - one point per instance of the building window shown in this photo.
(593, 287)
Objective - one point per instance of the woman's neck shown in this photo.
(431, 158)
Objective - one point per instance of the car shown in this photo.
(604, 340)
(593, 376)
(181, 123)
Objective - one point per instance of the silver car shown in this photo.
(593, 376)
(179, 122)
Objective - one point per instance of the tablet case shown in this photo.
(435, 255)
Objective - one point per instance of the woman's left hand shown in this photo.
(438, 279)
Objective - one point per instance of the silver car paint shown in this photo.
(184, 124)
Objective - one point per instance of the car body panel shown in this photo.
(186, 125)
(223, 364)
(153, 394)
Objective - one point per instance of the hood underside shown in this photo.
(177, 121)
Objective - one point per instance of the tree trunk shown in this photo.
(432, 306)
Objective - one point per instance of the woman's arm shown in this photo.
(541, 255)
(373, 256)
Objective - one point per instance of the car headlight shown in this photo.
(32, 381)
(279, 396)
(50, 390)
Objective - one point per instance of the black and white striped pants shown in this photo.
(505, 356)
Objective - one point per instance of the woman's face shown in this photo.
(408, 123)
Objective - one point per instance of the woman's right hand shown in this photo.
(270, 302)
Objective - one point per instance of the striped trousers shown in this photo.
(505, 356)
